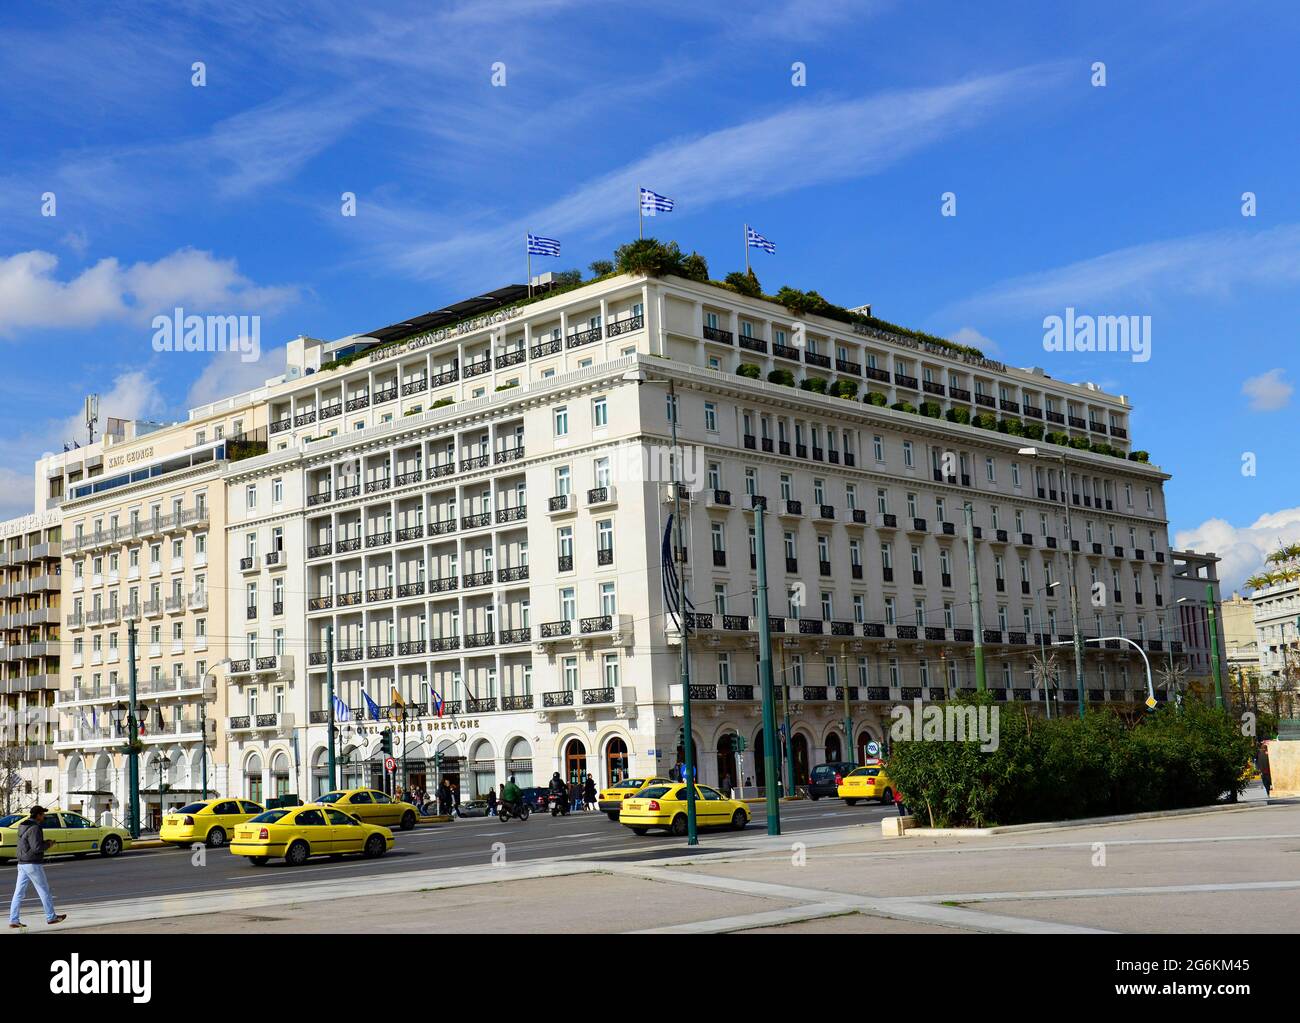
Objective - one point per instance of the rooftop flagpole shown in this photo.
(746, 250)
(640, 214)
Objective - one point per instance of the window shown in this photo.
(250, 496)
(878, 446)
(711, 417)
(599, 412)
(990, 470)
(1015, 475)
(277, 491)
(561, 419)
(908, 460)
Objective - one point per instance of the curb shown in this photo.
(1017, 829)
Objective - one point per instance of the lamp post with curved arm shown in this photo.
(1151, 691)
(203, 723)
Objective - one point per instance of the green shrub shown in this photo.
(1139, 456)
(1057, 437)
(650, 257)
(600, 267)
(781, 376)
(507, 386)
(932, 409)
(986, 421)
(1080, 443)
(744, 283)
(814, 384)
(959, 415)
(903, 406)
(443, 402)
(695, 267)
(1034, 431)
(748, 369)
(875, 398)
(1011, 425)
(1072, 767)
(847, 389)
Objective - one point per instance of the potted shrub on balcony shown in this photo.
(815, 384)
(781, 376)
(846, 389)
(748, 369)
(959, 415)
(1139, 456)
(903, 406)
(875, 398)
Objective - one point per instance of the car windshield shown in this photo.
(270, 817)
(630, 783)
(869, 772)
(656, 792)
(11, 820)
(192, 808)
(330, 797)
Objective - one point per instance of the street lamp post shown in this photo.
(203, 724)
(163, 764)
(1033, 452)
(639, 377)
(1042, 648)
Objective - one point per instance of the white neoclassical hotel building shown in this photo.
(467, 509)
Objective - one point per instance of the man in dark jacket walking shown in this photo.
(32, 844)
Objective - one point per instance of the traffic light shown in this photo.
(681, 737)
(386, 740)
(738, 743)
(437, 762)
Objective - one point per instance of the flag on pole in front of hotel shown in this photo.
(341, 711)
(539, 246)
(437, 702)
(653, 202)
(370, 705)
(674, 598)
(754, 240)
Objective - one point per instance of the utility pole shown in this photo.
(1214, 647)
(329, 697)
(692, 835)
(848, 717)
(770, 767)
(785, 715)
(969, 514)
(133, 737)
(1074, 587)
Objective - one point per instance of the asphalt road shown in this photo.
(169, 871)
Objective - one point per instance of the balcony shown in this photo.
(599, 497)
(583, 337)
(625, 326)
(559, 504)
(717, 334)
(244, 724)
(718, 499)
(753, 344)
(816, 359)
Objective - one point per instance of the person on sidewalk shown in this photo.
(492, 801)
(1261, 763)
(898, 801)
(589, 794)
(32, 844)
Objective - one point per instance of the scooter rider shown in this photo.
(559, 793)
(511, 795)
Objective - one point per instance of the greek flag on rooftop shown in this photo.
(757, 241)
(673, 596)
(539, 246)
(653, 202)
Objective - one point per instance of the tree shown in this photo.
(746, 283)
(649, 257)
(601, 267)
(695, 267)
(10, 780)
(567, 278)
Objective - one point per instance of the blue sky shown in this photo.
(1117, 200)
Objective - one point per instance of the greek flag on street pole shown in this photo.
(673, 596)
(539, 246)
(653, 202)
(341, 711)
(757, 241)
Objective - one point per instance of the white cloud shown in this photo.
(1268, 392)
(971, 336)
(32, 296)
(1242, 548)
(226, 374)
(835, 141)
(1203, 265)
(17, 492)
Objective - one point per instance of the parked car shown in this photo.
(474, 808)
(825, 778)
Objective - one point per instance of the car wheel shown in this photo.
(639, 831)
(257, 861)
(612, 816)
(679, 824)
(375, 847)
(296, 855)
(111, 846)
(524, 812)
(886, 797)
(850, 802)
(216, 838)
(813, 795)
(408, 820)
(739, 820)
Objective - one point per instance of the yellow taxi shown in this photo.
(867, 782)
(370, 806)
(72, 834)
(610, 800)
(299, 832)
(210, 821)
(664, 806)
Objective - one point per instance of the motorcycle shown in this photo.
(505, 811)
(559, 804)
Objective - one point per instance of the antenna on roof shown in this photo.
(92, 414)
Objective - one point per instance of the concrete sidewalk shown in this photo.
(1211, 872)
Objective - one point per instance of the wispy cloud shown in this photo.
(1268, 392)
(1212, 265)
(834, 141)
(1242, 548)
